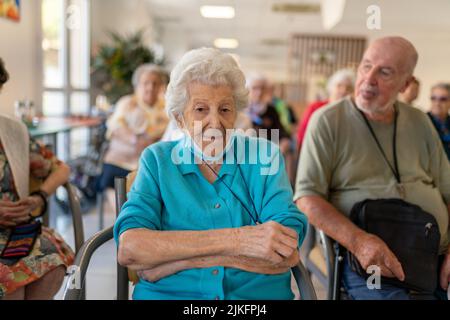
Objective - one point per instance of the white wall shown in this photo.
(424, 23)
(20, 50)
(123, 16)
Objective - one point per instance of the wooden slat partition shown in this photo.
(318, 56)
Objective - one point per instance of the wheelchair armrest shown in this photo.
(75, 283)
(304, 282)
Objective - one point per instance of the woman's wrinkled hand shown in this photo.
(269, 241)
(16, 213)
(162, 271)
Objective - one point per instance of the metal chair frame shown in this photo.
(83, 258)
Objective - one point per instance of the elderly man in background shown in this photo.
(341, 164)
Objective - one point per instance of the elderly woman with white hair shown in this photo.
(138, 121)
(210, 216)
(339, 85)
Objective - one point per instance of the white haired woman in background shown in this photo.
(339, 85)
(204, 218)
(138, 121)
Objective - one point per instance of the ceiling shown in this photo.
(264, 35)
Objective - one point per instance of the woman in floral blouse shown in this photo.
(28, 174)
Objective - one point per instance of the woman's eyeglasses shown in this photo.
(439, 98)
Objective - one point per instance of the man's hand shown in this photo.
(445, 272)
(269, 241)
(371, 250)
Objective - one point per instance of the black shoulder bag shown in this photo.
(411, 233)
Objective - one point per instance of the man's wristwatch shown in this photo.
(44, 197)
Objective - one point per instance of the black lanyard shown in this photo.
(255, 217)
(394, 169)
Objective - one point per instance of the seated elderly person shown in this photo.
(33, 259)
(440, 106)
(138, 121)
(374, 148)
(263, 113)
(339, 85)
(205, 219)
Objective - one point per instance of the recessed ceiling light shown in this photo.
(226, 43)
(217, 12)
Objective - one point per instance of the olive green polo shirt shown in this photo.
(341, 162)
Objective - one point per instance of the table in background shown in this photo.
(50, 127)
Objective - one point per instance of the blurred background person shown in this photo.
(262, 113)
(138, 121)
(339, 85)
(264, 116)
(411, 93)
(440, 105)
(33, 258)
(285, 112)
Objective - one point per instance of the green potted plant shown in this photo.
(113, 64)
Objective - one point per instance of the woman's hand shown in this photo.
(269, 241)
(32, 203)
(164, 270)
(15, 213)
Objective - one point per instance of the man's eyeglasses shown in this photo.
(439, 98)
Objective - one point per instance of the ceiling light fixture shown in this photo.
(217, 12)
(226, 43)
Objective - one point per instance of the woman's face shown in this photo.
(149, 87)
(440, 102)
(209, 113)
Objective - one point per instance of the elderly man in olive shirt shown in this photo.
(341, 164)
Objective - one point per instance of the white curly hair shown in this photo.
(206, 66)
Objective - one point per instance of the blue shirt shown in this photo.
(443, 128)
(169, 195)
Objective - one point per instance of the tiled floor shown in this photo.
(101, 276)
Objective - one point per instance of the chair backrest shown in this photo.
(77, 218)
(122, 187)
(132, 275)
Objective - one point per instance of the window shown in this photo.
(66, 59)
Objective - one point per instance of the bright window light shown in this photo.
(217, 12)
(224, 43)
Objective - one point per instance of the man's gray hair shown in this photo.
(443, 86)
(146, 68)
(340, 76)
(207, 66)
